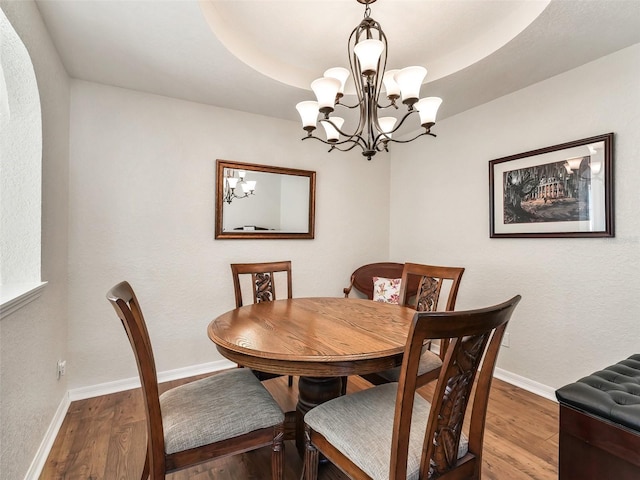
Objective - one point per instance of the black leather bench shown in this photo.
(600, 424)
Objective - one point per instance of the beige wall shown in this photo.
(137, 185)
(141, 196)
(580, 306)
(35, 337)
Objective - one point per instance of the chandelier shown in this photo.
(231, 183)
(367, 50)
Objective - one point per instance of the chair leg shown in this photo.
(343, 389)
(311, 458)
(277, 454)
(290, 381)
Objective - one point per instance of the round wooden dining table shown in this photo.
(318, 339)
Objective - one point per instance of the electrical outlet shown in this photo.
(61, 368)
(505, 340)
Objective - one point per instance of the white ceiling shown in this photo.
(475, 50)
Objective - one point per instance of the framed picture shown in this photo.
(560, 191)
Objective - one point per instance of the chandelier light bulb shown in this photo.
(340, 74)
(326, 90)
(232, 181)
(390, 85)
(410, 80)
(308, 111)
(368, 53)
(249, 186)
(428, 109)
(386, 125)
(332, 134)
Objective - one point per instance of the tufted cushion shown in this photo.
(429, 361)
(386, 290)
(216, 408)
(360, 425)
(612, 394)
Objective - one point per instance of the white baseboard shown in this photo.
(522, 382)
(82, 393)
(35, 469)
(134, 382)
(526, 384)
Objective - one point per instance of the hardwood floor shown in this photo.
(104, 438)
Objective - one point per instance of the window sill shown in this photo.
(15, 296)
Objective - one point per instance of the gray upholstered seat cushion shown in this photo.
(429, 361)
(216, 408)
(360, 426)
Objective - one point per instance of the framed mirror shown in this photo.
(263, 201)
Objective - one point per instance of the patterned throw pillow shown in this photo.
(386, 290)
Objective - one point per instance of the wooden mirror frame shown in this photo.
(221, 165)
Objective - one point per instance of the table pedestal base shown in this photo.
(312, 391)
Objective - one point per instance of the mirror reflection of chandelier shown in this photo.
(233, 182)
(368, 60)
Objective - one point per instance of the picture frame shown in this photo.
(564, 190)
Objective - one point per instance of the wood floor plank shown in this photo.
(126, 453)
(88, 444)
(512, 433)
(509, 456)
(104, 438)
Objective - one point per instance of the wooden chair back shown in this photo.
(263, 281)
(422, 285)
(429, 281)
(475, 336)
(126, 305)
(475, 339)
(362, 277)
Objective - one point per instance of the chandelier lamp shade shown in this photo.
(367, 50)
(233, 183)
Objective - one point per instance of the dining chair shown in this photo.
(224, 414)
(391, 432)
(362, 277)
(431, 281)
(263, 288)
